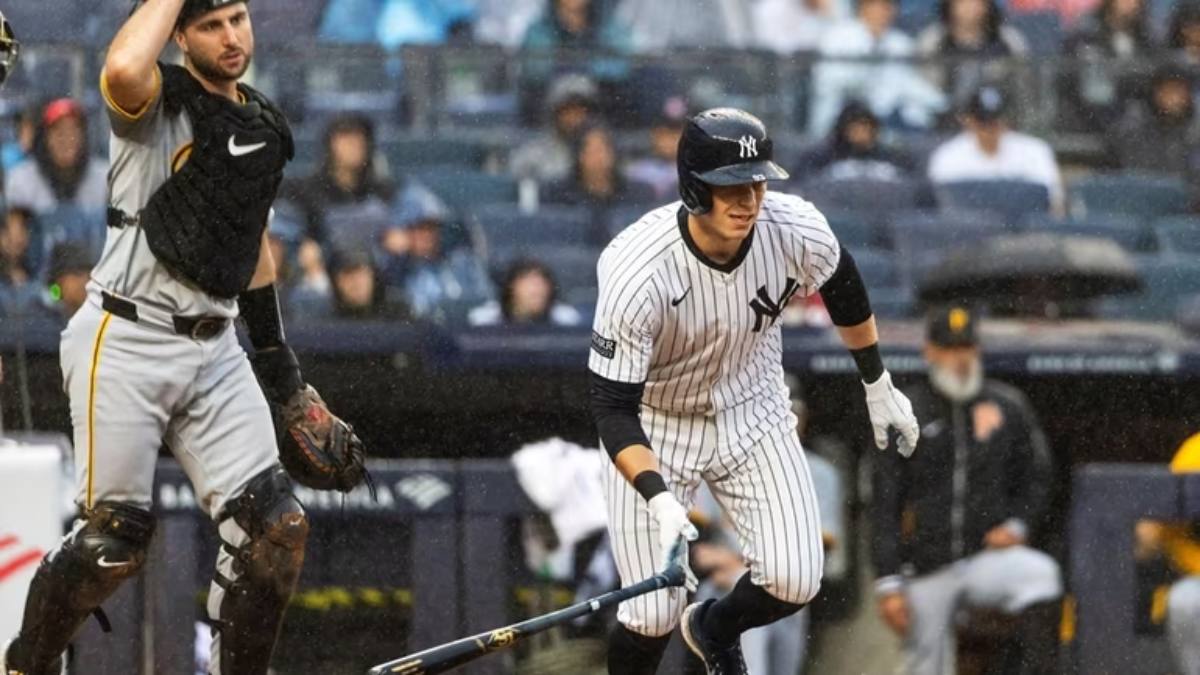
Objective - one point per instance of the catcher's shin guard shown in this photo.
(263, 533)
(107, 546)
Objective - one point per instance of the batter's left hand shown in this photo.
(889, 408)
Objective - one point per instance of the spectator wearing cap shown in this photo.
(972, 41)
(596, 180)
(547, 157)
(659, 169)
(854, 151)
(988, 149)
(60, 188)
(953, 523)
(789, 26)
(358, 292)
(1160, 133)
(528, 297)
(1107, 45)
(416, 263)
(67, 276)
(867, 58)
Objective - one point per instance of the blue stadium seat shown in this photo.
(465, 189)
(860, 194)
(890, 298)
(414, 153)
(505, 226)
(1179, 235)
(623, 215)
(923, 237)
(854, 229)
(1042, 30)
(1146, 195)
(1129, 233)
(1169, 281)
(574, 267)
(1014, 199)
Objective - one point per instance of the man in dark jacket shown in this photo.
(952, 522)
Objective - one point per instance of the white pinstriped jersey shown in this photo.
(704, 338)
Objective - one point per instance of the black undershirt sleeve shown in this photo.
(845, 295)
(615, 408)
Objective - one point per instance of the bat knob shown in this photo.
(675, 576)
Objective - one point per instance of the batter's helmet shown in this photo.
(723, 146)
(10, 49)
(193, 9)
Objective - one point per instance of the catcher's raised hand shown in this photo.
(317, 448)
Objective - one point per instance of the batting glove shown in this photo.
(674, 526)
(890, 408)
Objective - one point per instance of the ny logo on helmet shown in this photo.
(748, 147)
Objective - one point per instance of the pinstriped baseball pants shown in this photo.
(767, 493)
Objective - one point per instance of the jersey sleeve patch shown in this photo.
(603, 346)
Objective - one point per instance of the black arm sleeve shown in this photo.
(615, 407)
(274, 361)
(845, 295)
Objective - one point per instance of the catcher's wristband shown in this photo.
(279, 371)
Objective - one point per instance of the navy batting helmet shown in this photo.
(723, 146)
(10, 49)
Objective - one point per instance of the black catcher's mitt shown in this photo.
(317, 448)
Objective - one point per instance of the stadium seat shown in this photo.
(1180, 235)
(1013, 199)
(1169, 280)
(464, 189)
(414, 153)
(860, 194)
(922, 237)
(1129, 233)
(1147, 195)
(854, 229)
(574, 267)
(890, 298)
(506, 226)
(1043, 31)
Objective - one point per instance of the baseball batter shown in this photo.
(687, 386)
(153, 358)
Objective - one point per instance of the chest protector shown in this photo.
(205, 223)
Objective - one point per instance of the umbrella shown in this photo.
(1028, 273)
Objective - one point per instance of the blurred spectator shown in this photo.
(505, 22)
(790, 26)
(17, 293)
(952, 523)
(987, 149)
(854, 151)
(528, 296)
(659, 169)
(1160, 134)
(1106, 46)
(393, 23)
(416, 264)
(17, 149)
(596, 181)
(59, 172)
(347, 202)
(67, 275)
(973, 39)
(311, 288)
(1183, 36)
(1067, 10)
(868, 60)
(659, 25)
(547, 157)
(576, 24)
(357, 290)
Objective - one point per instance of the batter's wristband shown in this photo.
(869, 362)
(649, 484)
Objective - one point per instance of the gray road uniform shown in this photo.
(151, 358)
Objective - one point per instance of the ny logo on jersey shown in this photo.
(766, 310)
(747, 147)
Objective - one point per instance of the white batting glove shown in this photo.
(890, 408)
(674, 525)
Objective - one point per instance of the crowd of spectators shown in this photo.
(357, 235)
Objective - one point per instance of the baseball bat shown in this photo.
(450, 655)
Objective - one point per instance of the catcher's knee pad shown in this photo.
(263, 533)
(107, 546)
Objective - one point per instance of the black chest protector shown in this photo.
(205, 223)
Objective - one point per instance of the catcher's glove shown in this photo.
(317, 448)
